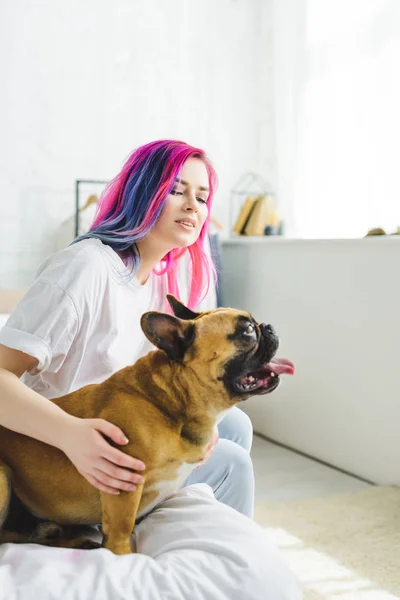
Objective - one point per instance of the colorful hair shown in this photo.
(132, 202)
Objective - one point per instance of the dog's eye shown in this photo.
(250, 329)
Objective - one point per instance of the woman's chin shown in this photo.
(185, 240)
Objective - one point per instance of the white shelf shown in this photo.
(278, 239)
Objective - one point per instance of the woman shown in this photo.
(80, 320)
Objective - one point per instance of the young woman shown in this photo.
(80, 320)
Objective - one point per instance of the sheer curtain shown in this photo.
(337, 115)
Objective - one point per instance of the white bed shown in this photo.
(191, 548)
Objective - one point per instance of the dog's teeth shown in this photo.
(272, 374)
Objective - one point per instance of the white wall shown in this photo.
(337, 96)
(335, 305)
(86, 82)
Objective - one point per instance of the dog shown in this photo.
(168, 404)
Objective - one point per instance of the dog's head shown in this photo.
(224, 345)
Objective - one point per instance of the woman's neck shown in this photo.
(150, 256)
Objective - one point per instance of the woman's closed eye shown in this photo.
(180, 193)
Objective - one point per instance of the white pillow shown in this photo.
(190, 548)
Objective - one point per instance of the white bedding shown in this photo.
(3, 319)
(190, 548)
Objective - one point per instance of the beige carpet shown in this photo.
(341, 547)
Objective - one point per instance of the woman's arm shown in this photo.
(24, 411)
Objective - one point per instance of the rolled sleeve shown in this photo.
(42, 325)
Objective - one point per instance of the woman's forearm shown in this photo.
(82, 440)
(27, 412)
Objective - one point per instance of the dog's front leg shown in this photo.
(118, 519)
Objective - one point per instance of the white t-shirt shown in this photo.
(81, 318)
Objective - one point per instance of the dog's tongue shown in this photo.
(281, 366)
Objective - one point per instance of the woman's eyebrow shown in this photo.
(201, 187)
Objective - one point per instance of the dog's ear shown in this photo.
(180, 310)
(168, 333)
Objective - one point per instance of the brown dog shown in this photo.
(168, 404)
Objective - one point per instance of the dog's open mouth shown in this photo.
(265, 379)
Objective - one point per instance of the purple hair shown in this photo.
(132, 202)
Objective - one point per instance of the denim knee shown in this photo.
(237, 427)
(246, 432)
(229, 472)
(236, 486)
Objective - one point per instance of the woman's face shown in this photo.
(185, 208)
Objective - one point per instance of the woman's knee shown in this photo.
(236, 477)
(246, 431)
(229, 472)
(229, 461)
(235, 458)
(237, 427)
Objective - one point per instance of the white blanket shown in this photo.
(190, 548)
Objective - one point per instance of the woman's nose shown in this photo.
(191, 203)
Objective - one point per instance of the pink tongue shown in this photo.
(281, 366)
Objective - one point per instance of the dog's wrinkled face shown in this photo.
(254, 370)
(225, 344)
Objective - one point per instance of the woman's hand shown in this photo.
(104, 466)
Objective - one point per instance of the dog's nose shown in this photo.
(270, 340)
(268, 330)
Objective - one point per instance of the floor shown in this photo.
(283, 475)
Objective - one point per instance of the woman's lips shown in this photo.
(187, 224)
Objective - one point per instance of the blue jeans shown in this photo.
(229, 470)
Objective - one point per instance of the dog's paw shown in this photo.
(85, 544)
(48, 530)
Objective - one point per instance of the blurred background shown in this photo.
(87, 82)
(302, 93)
